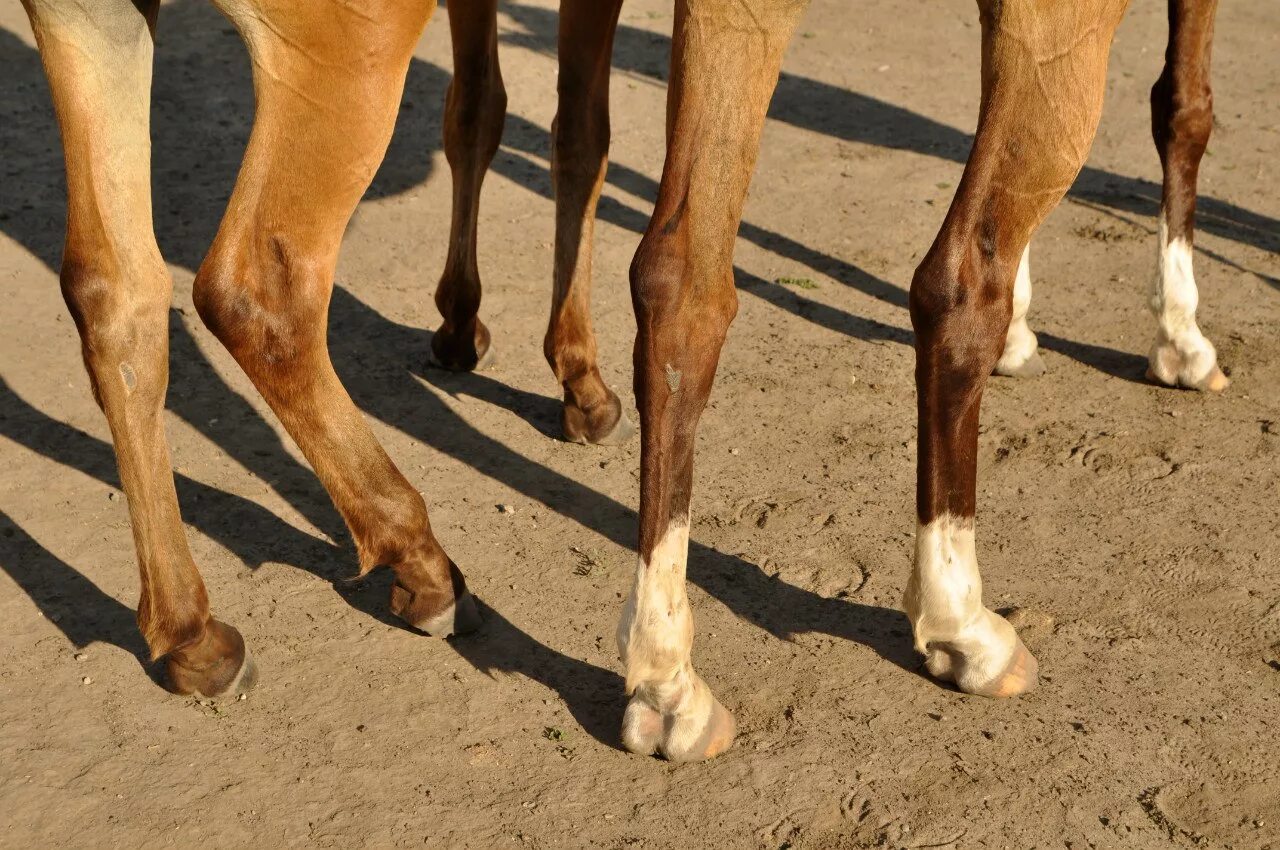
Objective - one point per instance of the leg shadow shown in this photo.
(851, 116)
(250, 532)
(77, 606)
(384, 386)
(589, 692)
(1119, 364)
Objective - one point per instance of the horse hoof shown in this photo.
(1214, 382)
(1032, 367)
(1190, 364)
(436, 607)
(460, 618)
(621, 433)
(452, 354)
(678, 738)
(991, 661)
(605, 425)
(1020, 676)
(218, 666)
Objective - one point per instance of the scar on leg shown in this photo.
(673, 379)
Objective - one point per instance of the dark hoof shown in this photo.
(604, 425)
(471, 352)
(438, 611)
(621, 434)
(218, 666)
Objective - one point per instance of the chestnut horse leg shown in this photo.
(580, 152)
(98, 60)
(1181, 120)
(1043, 76)
(724, 66)
(475, 110)
(328, 81)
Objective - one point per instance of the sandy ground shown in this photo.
(1137, 525)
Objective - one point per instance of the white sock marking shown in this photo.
(1021, 343)
(655, 639)
(1181, 353)
(944, 603)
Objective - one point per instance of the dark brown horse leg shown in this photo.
(475, 110)
(1044, 71)
(264, 289)
(1181, 120)
(580, 152)
(98, 60)
(724, 67)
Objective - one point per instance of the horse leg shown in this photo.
(328, 81)
(475, 110)
(1043, 76)
(98, 60)
(1181, 120)
(580, 155)
(724, 66)
(1021, 357)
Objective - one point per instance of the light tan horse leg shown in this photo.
(328, 80)
(98, 60)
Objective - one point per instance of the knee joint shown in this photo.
(475, 109)
(660, 274)
(120, 311)
(268, 303)
(969, 299)
(1181, 117)
(937, 292)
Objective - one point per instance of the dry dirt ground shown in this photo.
(1137, 525)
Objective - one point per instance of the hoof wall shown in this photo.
(716, 738)
(480, 364)
(215, 666)
(677, 739)
(245, 680)
(621, 433)
(604, 425)
(460, 618)
(984, 668)
(1214, 382)
(1020, 676)
(1032, 367)
(461, 349)
(241, 682)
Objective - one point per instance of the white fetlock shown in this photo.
(672, 710)
(1181, 355)
(981, 658)
(962, 641)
